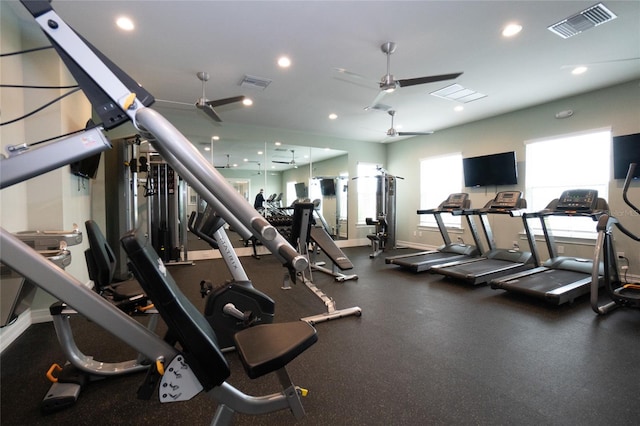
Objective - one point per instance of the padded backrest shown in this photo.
(185, 322)
(101, 261)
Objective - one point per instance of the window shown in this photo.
(439, 177)
(291, 193)
(341, 193)
(567, 162)
(367, 188)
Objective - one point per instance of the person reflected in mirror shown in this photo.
(258, 204)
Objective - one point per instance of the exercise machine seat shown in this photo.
(101, 265)
(269, 347)
(186, 325)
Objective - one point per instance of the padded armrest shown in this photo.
(269, 347)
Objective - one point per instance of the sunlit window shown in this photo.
(440, 176)
(367, 187)
(567, 162)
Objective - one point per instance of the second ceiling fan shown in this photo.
(392, 131)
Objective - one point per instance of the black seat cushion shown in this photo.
(268, 347)
(184, 321)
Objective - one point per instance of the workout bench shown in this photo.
(262, 349)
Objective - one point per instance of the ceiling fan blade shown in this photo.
(612, 61)
(209, 111)
(225, 101)
(281, 162)
(376, 101)
(424, 80)
(413, 133)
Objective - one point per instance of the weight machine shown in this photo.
(384, 236)
(117, 98)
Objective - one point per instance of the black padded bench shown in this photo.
(263, 349)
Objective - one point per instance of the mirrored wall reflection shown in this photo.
(278, 170)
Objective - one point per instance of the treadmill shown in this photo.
(496, 262)
(455, 204)
(560, 279)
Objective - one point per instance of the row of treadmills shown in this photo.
(558, 280)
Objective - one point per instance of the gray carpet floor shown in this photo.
(426, 350)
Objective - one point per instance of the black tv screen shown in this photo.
(87, 167)
(626, 150)
(328, 187)
(493, 169)
(301, 190)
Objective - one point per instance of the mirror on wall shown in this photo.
(278, 169)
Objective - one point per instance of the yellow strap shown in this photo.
(128, 101)
(160, 367)
(146, 308)
(50, 376)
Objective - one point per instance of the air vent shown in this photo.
(458, 93)
(585, 20)
(255, 82)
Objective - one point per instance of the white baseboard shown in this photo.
(9, 333)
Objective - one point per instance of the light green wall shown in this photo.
(617, 107)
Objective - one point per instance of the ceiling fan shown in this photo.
(226, 166)
(208, 106)
(388, 83)
(392, 131)
(290, 163)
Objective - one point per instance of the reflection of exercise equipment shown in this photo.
(561, 278)
(384, 236)
(300, 236)
(234, 305)
(621, 293)
(496, 262)
(455, 204)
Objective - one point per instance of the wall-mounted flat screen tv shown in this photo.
(328, 187)
(87, 167)
(493, 169)
(301, 190)
(626, 150)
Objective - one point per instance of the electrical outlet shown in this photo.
(415, 233)
(419, 233)
(620, 254)
(560, 249)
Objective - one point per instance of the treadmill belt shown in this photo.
(544, 282)
(480, 267)
(424, 262)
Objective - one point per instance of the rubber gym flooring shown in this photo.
(426, 351)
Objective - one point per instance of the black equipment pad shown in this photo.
(329, 247)
(269, 347)
(185, 323)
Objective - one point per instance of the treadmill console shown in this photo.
(456, 201)
(578, 200)
(506, 200)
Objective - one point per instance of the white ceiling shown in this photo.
(173, 40)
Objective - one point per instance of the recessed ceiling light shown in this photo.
(125, 23)
(579, 70)
(511, 30)
(207, 148)
(247, 102)
(284, 62)
(215, 138)
(333, 116)
(260, 152)
(278, 143)
(459, 108)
